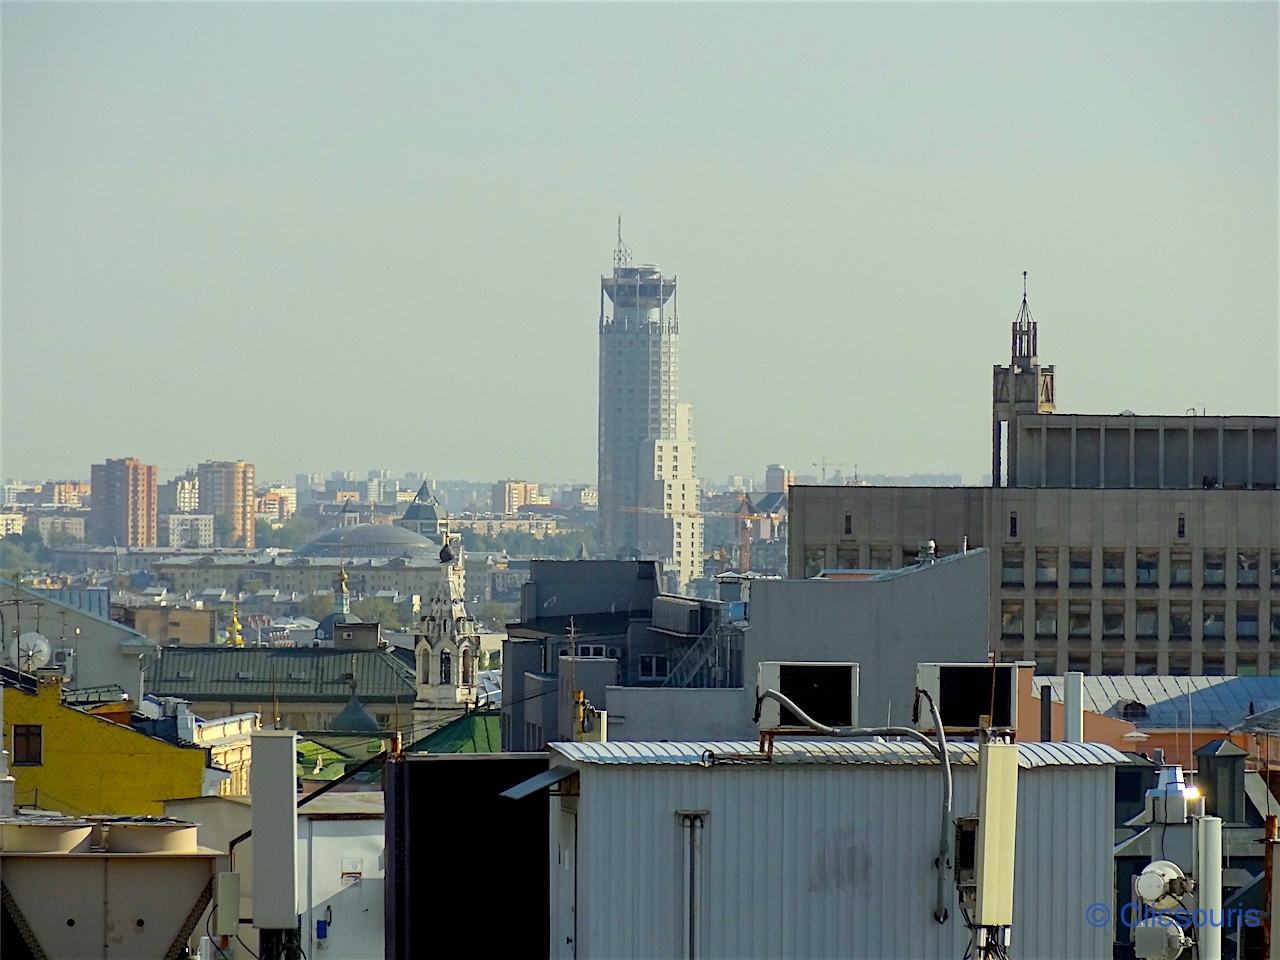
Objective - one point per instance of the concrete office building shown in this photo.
(777, 478)
(123, 503)
(1119, 544)
(226, 489)
(648, 487)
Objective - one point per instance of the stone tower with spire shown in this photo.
(447, 646)
(1024, 386)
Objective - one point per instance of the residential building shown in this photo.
(226, 489)
(278, 504)
(509, 496)
(179, 495)
(821, 848)
(192, 531)
(67, 493)
(61, 526)
(78, 763)
(1118, 544)
(777, 478)
(123, 503)
(12, 523)
(648, 486)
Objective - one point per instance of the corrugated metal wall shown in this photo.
(822, 861)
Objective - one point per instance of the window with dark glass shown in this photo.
(1147, 568)
(1179, 621)
(814, 561)
(1179, 664)
(1146, 621)
(1179, 569)
(848, 524)
(1079, 620)
(1113, 568)
(1144, 665)
(1011, 571)
(1079, 663)
(1215, 621)
(446, 667)
(1246, 664)
(1081, 568)
(28, 745)
(1213, 665)
(1046, 618)
(1013, 525)
(1047, 567)
(1113, 620)
(653, 667)
(881, 558)
(1247, 569)
(1112, 663)
(1247, 621)
(1011, 618)
(1182, 526)
(1215, 569)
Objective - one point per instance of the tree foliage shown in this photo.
(377, 610)
(560, 546)
(292, 534)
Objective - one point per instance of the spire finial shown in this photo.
(1024, 284)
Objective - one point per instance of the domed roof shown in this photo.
(324, 630)
(368, 540)
(354, 718)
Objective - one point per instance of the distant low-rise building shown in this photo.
(63, 527)
(169, 625)
(193, 531)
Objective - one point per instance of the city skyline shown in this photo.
(269, 240)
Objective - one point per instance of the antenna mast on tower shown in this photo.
(621, 253)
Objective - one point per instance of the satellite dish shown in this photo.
(30, 651)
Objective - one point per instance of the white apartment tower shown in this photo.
(648, 485)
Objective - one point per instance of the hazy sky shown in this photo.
(322, 236)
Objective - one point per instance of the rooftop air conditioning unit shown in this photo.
(64, 660)
(967, 692)
(827, 692)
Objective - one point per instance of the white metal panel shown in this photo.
(273, 782)
(821, 860)
(344, 885)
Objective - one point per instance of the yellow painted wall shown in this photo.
(91, 765)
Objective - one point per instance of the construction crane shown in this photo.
(831, 463)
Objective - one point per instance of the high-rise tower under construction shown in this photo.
(647, 457)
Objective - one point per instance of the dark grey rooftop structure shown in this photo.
(369, 540)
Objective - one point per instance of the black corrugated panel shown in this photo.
(449, 833)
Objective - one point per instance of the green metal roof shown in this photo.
(289, 674)
(478, 732)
